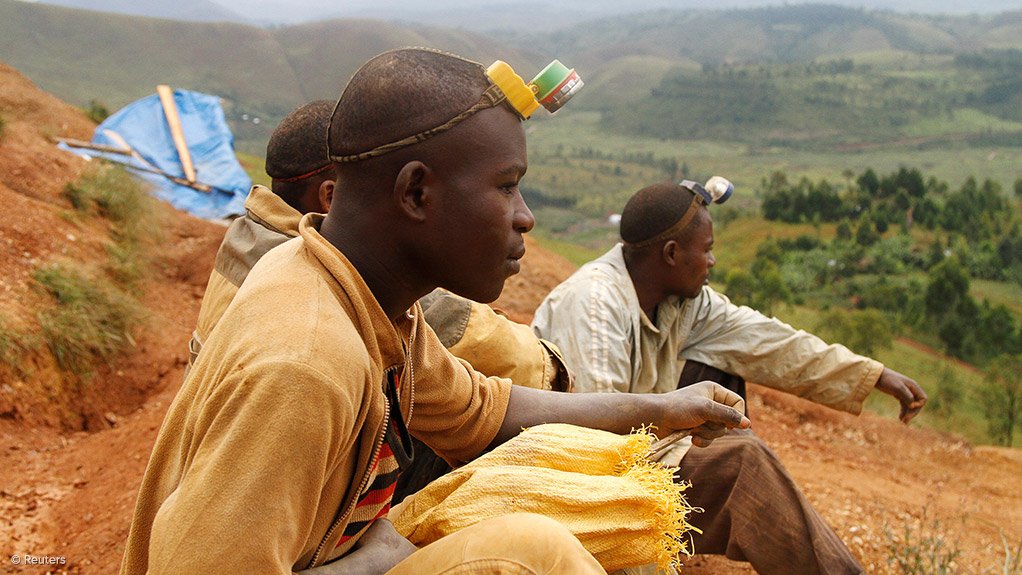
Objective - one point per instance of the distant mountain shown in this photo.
(259, 72)
(192, 10)
(265, 72)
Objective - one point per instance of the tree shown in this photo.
(740, 286)
(949, 392)
(1001, 394)
(950, 308)
(772, 288)
(864, 332)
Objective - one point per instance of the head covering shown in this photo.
(297, 147)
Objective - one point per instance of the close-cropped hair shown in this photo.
(297, 147)
(653, 210)
(402, 93)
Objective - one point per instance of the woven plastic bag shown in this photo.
(625, 509)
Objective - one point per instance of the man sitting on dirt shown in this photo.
(281, 450)
(641, 319)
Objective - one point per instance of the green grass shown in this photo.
(109, 192)
(14, 344)
(93, 313)
(1004, 293)
(255, 167)
(572, 252)
(90, 320)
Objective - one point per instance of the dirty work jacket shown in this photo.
(611, 345)
(263, 452)
(472, 331)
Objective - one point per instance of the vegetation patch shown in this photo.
(93, 314)
(90, 322)
(111, 193)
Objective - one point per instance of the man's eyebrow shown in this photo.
(513, 170)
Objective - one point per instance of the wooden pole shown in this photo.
(174, 122)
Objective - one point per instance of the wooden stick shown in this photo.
(176, 132)
(661, 445)
(98, 147)
(206, 188)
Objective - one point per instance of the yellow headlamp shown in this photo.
(552, 87)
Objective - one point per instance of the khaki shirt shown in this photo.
(609, 344)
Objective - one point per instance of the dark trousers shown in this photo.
(752, 509)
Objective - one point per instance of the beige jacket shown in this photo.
(263, 451)
(610, 345)
(492, 343)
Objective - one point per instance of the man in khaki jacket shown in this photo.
(303, 182)
(281, 450)
(641, 319)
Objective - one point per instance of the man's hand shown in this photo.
(379, 549)
(706, 408)
(905, 390)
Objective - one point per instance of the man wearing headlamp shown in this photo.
(281, 450)
(642, 319)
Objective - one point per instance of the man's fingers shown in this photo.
(723, 414)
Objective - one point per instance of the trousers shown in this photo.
(752, 509)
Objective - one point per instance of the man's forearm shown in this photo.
(616, 412)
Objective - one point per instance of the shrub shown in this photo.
(90, 321)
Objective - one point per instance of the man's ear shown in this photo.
(671, 253)
(410, 189)
(326, 194)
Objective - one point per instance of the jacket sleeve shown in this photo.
(588, 322)
(263, 454)
(454, 409)
(764, 350)
(491, 342)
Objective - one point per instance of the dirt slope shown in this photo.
(68, 494)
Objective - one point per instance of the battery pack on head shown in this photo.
(555, 85)
(552, 87)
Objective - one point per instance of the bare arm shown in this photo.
(706, 408)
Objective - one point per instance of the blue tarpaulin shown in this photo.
(142, 125)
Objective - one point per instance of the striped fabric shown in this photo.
(374, 501)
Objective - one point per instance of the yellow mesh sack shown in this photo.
(625, 509)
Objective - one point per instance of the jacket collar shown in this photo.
(384, 339)
(267, 208)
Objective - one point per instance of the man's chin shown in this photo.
(487, 294)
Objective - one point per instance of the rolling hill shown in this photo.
(639, 67)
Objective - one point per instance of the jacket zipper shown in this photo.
(365, 477)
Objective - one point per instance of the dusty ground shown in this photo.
(68, 475)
